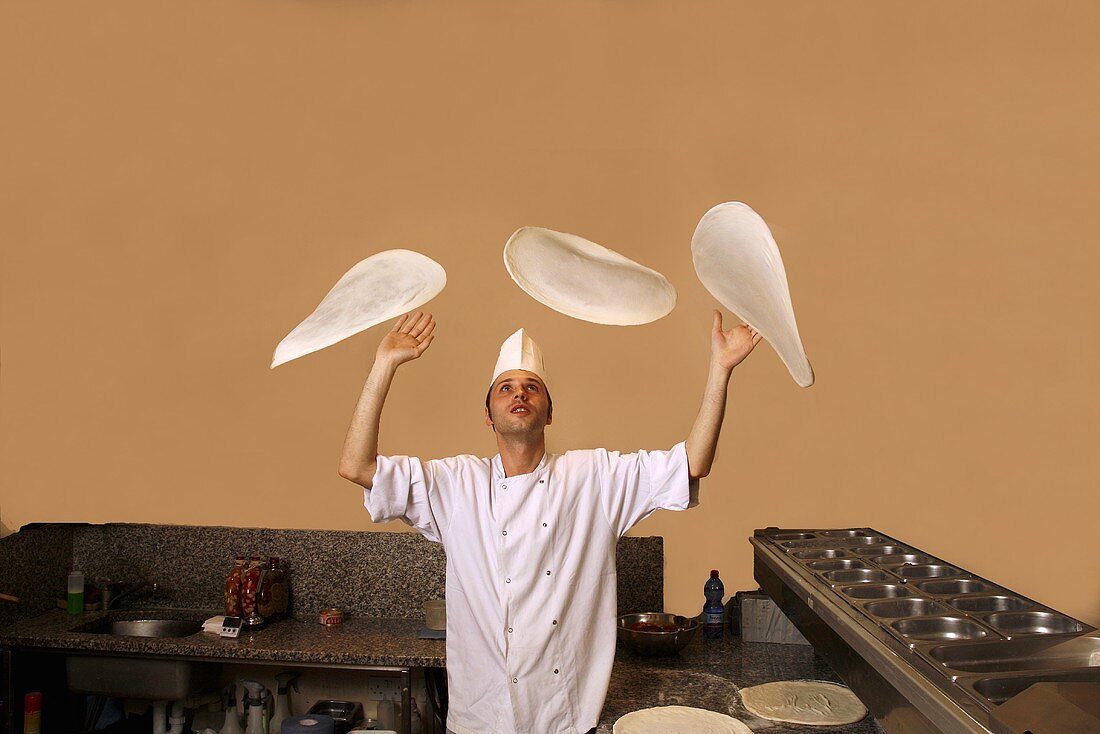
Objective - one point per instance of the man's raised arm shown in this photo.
(727, 349)
(407, 340)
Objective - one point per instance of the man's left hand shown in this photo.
(728, 348)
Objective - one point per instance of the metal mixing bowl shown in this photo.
(657, 643)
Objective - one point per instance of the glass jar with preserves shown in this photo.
(274, 594)
(250, 588)
(233, 588)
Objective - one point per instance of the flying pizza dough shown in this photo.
(804, 702)
(678, 720)
(737, 260)
(584, 280)
(377, 289)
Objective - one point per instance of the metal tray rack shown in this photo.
(976, 643)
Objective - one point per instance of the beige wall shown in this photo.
(182, 183)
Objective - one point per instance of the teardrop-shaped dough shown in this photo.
(736, 258)
(584, 280)
(804, 702)
(377, 289)
(678, 720)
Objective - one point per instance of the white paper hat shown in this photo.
(384, 286)
(585, 280)
(519, 352)
(736, 258)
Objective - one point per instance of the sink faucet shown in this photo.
(112, 602)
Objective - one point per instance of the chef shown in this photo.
(530, 536)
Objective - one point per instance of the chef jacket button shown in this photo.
(515, 680)
(504, 486)
(503, 532)
(544, 524)
(547, 573)
(555, 621)
(555, 671)
(507, 581)
(541, 481)
(509, 630)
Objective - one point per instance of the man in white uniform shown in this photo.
(530, 537)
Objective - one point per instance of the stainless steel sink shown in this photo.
(142, 678)
(145, 627)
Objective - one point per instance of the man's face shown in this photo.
(518, 404)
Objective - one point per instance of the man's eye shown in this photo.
(504, 387)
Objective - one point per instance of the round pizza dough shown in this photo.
(678, 720)
(804, 702)
(584, 280)
(382, 287)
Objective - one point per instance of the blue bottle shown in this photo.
(714, 614)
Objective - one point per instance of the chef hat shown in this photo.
(519, 352)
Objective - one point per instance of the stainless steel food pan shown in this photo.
(955, 587)
(1032, 653)
(857, 576)
(810, 555)
(928, 571)
(876, 591)
(939, 628)
(990, 603)
(1033, 623)
(791, 536)
(882, 550)
(903, 559)
(845, 534)
(907, 607)
(994, 690)
(837, 564)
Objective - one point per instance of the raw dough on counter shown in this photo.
(804, 702)
(737, 260)
(584, 280)
(382, 287)
(678, 720)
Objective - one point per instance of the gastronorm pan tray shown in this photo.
(986, 640)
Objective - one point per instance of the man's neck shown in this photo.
(520, 455)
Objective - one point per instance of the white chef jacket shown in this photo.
(531, 582)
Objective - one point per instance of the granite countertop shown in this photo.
(358, 641)
(707, 674)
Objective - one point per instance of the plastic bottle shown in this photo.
(286, 681)
(255, 706)
(713, 612)
(76, 592)
(232, 723)
(387, 715)
(416, 724)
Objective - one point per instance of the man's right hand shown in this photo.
(408, 339)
